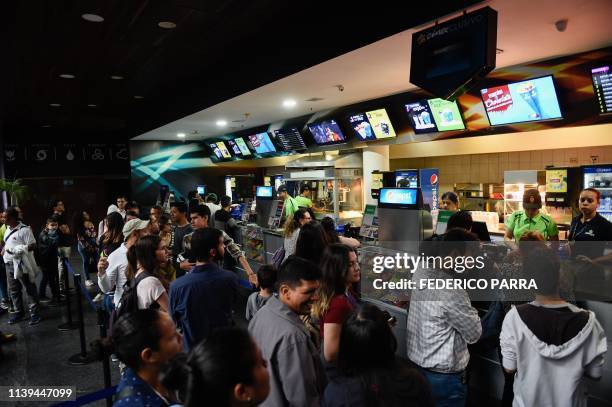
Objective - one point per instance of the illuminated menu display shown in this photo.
(602, 84)
(289, 139)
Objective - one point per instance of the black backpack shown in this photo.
(129, 298)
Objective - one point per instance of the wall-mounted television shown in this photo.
(219, 151)
(289, 139)
(602, 85)
(262, 144)
(224, 151)
(239, 147)
(372, 125)
(434, 115)
(326, 132)
(519, 102)
(263, 192)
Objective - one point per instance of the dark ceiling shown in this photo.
(218, 50)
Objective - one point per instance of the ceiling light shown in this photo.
(138, 97)
(67, 76)
(92, 105)
(221, 123)
(116, 77)
(166, 24)
(289, 103)
(94, 18)
(46, 126)
(54, 104)
(180, 135)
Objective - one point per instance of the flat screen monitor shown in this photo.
(400, 198)
(289, 139)
(327, 132)
(434, 115)
(381, 124)
(238, 147)
(223, 149)
(602, 85)
(216, 151)
(362, 127)
(201, 190)
(519, 102)
(264, 192)
(406, 179)
(262, 144)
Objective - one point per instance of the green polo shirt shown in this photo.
(2, 232)
(290, 206)
(519, 224)
(303, 202)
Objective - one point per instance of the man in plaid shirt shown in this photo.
(441, 323)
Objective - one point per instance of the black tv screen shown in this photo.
(289, 139)
(326, 132)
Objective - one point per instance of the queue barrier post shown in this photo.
(69, 325)
(81, 358)
(105, 358)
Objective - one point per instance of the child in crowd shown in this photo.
(266, 275)
(48, 241)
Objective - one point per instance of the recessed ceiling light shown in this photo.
(94, 18)
(92, 105)
(54, 104)
(289, 103)
(180, 135)
(67, 76)
(46, 126)
(166, 24)
(116, 77)
(138, 97)
(221, 123)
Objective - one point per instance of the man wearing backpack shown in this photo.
(112, 271)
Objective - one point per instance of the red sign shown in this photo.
(497, 99)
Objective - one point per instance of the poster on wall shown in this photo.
(556, 181)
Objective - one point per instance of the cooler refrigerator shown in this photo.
(600, 178)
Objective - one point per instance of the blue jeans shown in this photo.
(448, 389)
(89, 260)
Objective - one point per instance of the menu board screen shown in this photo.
(446, 115)
(216, 151)
(381, 124)
(244, 149)
(223, 149)
(526, 101)
(602, 85)
(261, 143)
(362, 127)
(327, 132)
(289, 139)
(421, 117)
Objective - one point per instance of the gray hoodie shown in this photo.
(552, 374)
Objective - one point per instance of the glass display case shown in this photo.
(396, 298)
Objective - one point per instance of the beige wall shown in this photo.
(489, 168)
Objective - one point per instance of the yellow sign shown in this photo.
(556, 181)
(377, 181)
(267, 181)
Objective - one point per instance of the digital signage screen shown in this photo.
(525, 101)
(406, 179)
(602, 85)
(362, 127)
(223, 149)
(398, 197)
(327, 132)
(216, 152)
(381, 124)
(434, 115)
(264, 192)
(262, 144)
(244, 149)
(289, 139)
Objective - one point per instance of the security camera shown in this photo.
(340, 88)
(561, 25)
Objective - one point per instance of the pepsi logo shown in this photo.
(433, 179)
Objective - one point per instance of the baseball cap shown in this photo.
(304, 187)
(282, 188)
(212, 195)
(132, 225)
(532, 199)
(112, 208)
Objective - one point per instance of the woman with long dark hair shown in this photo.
(145, 341)
(336, 298)
(87, 244)
(333, 237)
(112, 237)
(144, 261)
(369, 372)
(311, 242)
(293, 224)
(225, 370)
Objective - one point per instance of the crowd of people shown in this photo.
(170, 287)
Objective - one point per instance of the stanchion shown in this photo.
(105, 361)
(70, 324)
(81, 358)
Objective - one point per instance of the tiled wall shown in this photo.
(489, 168)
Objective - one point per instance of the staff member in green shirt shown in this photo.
(530, 219)
(289, 204)
(303, 199)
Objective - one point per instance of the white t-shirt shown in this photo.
(116, 273)
(213, 209)
(23, 236)
(148, 291)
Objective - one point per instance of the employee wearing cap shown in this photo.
(303, 199)
(289, 204)
(530, 219)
